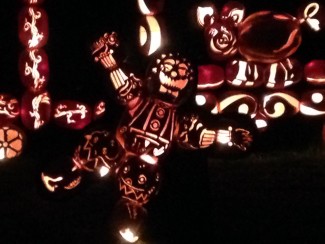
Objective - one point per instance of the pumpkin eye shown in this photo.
(128, 181)
(142, 179)
(126, 169)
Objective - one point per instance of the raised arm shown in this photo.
(127, 86)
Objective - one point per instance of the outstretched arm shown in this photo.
(127, 86)
(193, 134)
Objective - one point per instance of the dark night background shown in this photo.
(274, 194)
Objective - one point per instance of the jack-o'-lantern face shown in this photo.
(138, 180)
(175, 75)
(56, 183)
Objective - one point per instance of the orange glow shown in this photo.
(61, 111)
(279, 106)
(152, 37)
(103, 171)
(149, 159)
(144, 8)
(46, 180)
(8, 106)
(36, 36)
(11, 142)
(224, 136)
(33, 70)
(129, 235)
(100, 108)
(36, 102)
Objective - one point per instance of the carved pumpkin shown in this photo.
(256, 33)
(11, 142)
(210, 76)
(34, 69)
(150, 7)
(151, 34)
(72, 114)
(33, 27)
(313, 103)
(138, 180)
(60, 177)
(9, 108)
(280, 104)
(315, 72)
(35, 110)
(98, 152)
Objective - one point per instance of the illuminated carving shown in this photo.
(313, 103)
(129, 235)
(150, 35)
(33, 1)
(253, 36)
(210, 76)
(280, 104)
(283, 74)
(151, 124)
(312, 10)
(315, 72)
(220, 33)
(11, 142)
(98, 152)
(34, 69)
(244, 74)
(205, 14)
(207, 100)
(33, 30)
(36, 110)
(43, 98)
(138, 180)
(72, 114)
(9, 108)
(60, 183)
(150, 7)
(99, 110)
(238, 102)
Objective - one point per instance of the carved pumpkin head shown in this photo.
(220, 31)
(171, 78)
(60, 177)
(138, 180)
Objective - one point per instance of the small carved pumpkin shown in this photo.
(11, 142)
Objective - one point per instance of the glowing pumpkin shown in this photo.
(9, 108)
(151, 35)
(256, 34)
(150, 7)
(315, 72)
(72, 114)
(138, 180)
(35, 110)
(280, 104)
(34, 69)
(11, 142)
(33, 27)
(210, 76)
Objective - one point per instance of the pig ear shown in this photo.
(206, 15)
(233, 13)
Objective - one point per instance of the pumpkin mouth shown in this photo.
(52, 184)
(133, 193)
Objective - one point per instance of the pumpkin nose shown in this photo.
(173, 74)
